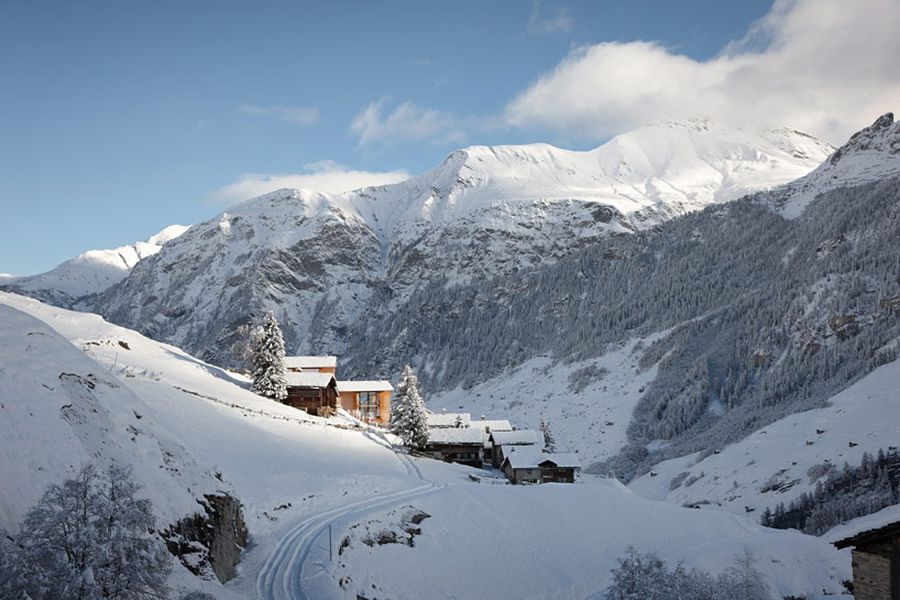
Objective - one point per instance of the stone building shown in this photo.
(876, 562)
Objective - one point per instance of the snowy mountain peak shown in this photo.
(90, 272)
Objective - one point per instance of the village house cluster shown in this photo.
(519, 453)
(312, 385)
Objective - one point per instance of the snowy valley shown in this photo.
(708, 317)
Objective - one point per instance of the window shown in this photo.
(369, 405)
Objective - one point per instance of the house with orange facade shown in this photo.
(312, 386)
(368, 401)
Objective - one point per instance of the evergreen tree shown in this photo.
(408, 417)
(549, 441)
(268, 360)
(87, 538)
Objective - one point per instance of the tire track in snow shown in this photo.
(280, 576)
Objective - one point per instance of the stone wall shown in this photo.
(872, 573)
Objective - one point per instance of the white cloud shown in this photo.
(407, 122)
(561, 21)
(827, 67)
(326, 176)
(298, 115)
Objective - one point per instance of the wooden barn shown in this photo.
(455, 444)
(501, 441)
(368, 401)
(527, 464)
(876, 562)
(312, 391)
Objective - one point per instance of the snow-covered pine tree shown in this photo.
(549, 441)
(268, 360)
(408, 417)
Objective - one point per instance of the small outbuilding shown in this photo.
(455, 444)
(876, 562)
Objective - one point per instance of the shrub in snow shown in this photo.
(268, 360)
(647, 577)
(408, 418)
(87, 538)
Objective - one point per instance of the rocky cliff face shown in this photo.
(210, 543)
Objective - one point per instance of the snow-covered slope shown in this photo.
(753, 473)
(91, 272)
(322, 260)
(75, 388)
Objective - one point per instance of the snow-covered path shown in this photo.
(297, 569)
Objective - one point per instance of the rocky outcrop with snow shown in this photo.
(871, 154)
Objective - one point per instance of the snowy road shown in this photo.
(297, 569)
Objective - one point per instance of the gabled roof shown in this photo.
(490, 425)
(517, 438)
(889, 531)
(448, 419)
(365, 386)
(308, 379)
(310, 362)
(455, 435)
(531, 457)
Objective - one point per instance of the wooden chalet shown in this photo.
(876, 562)
(455, 444)
(528, 464)
(312, 391)
(368, 401)
(501, 441)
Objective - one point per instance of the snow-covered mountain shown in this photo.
(323, 260)
(89, 273)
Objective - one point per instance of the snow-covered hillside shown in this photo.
(76, 388)
(91, 272)
(773, 464)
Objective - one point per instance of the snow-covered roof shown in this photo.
(531, 457)
(365, 386)
(312, 379)
(455, 435)
(490, 425)
(448, 419)
(310, 362)
(517, 438)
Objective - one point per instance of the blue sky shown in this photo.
(119, 118)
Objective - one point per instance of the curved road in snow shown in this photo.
(290, 574)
